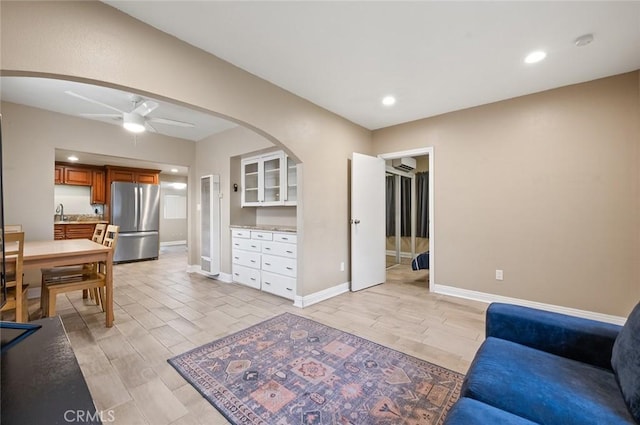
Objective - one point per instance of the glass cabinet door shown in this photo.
(292, 182)
(272, 170)
(250, 185)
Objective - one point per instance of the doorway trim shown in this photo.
(421, 152)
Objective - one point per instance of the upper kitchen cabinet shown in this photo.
(98, 187)
(132, 175)
(265, 180)
(78, 176)
(83, 175)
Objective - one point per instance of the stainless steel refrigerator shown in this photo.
(135, 207)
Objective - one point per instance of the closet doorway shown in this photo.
(407, 212)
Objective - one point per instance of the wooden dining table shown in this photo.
(67, 252)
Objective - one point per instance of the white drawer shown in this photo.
(279, 248)
(246, 276)
(279, 265)
(246, 258)
(261, 236)
(285, 237)
(246, 244)
(241, 233)
(278, 285)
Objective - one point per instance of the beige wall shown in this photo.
(213, 156)
(545, 187)
(90, 41)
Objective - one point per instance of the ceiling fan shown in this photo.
(135, 120)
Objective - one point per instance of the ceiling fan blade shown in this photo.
(150, 127)
(145, 107)
(96, 102)
(119, 116)
(171, 122)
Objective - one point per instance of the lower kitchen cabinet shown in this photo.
(265, 260)
(73, 231)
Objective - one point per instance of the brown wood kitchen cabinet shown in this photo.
(98, 187)
(77, 176)
(83, 175)
(132, 175)
(73, 231)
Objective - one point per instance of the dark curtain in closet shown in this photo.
(405, 205)
(422, 195)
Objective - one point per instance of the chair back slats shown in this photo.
(98, 232)
(111, 236)
(11, 228)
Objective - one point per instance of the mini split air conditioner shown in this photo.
(404, 164)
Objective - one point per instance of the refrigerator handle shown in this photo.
(136, 204)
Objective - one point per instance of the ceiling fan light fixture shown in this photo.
(133, 122)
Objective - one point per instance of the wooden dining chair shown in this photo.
(95, 280)
(98, 232)
(16, 289)
(52, 273)
(11, 228)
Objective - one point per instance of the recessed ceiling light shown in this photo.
(535, 57)
(174, 170)
(388, 100)
(72, 158)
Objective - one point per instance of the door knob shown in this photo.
(355, 221)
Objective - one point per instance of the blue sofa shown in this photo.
(538, 367)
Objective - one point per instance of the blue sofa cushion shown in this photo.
(585, 340)
(468, 411)
(543, 387)
(625, 361)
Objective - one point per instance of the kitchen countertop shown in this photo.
(267, 228)
(80, 222)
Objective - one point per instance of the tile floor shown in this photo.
(161, 311)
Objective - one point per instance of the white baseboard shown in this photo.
(222, 277)
(489, 298)
(325, 294)
(170, 243)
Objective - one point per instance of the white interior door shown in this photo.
(367, 221)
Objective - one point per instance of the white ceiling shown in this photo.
(435, 57)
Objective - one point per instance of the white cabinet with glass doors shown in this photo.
(269, 180)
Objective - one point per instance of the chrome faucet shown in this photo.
(60, 210)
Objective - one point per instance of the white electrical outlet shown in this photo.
(499, 275)
(342, 266)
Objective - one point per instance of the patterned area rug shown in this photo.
(290, 370)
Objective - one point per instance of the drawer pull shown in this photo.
(236, 244)
(237, 274)
(253, 261)
(260, 236)
(253, 246)
(285, 239)
(289, 268)
(236, 258)
(267, 283)
(252, 278)
(267, 249)
(267, 264)
(289, 289)
(289, 252)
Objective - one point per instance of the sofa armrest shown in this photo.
(585, 340)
